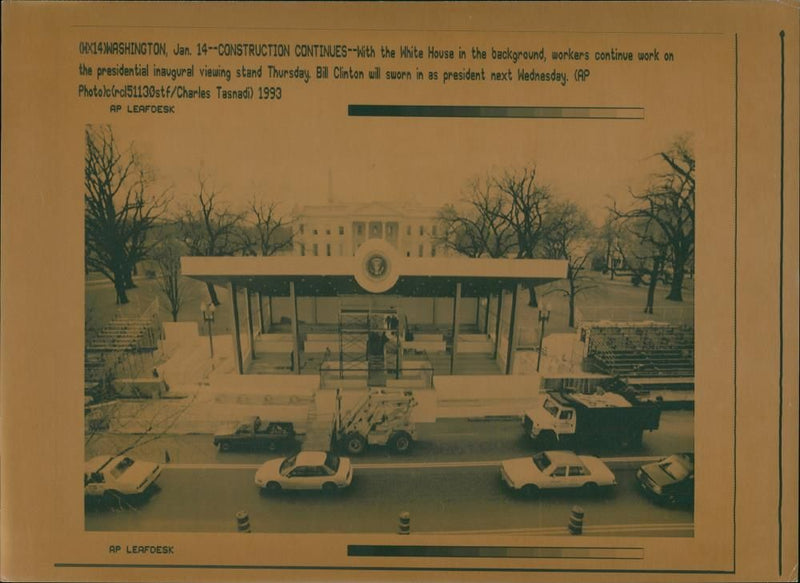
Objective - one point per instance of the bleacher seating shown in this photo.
(114, 344)
(656, 350)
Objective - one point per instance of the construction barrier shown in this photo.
(576, 520)
(242, 521)
(404, 527)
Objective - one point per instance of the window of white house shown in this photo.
(328, 249)
(315, 250)
(341, 230)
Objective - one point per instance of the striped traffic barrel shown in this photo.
(576, 520)
(242, 521)
(404, 526)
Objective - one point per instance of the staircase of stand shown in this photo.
(114, 345)
(319, 430)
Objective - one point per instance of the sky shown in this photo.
(305, 147)
(430, 162)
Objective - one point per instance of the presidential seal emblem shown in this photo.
(376, 263)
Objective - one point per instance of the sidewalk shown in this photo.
(198, 408)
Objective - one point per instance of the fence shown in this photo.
(683, 315)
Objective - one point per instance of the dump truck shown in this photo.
(381, 417)
(567, 419)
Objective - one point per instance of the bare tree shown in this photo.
(569, 237)
(644, 250)
(501, 216)
(119, 209)
(666, 210)
(271, 231)
(211, 228)
(608, 241)
(478, 228)
(134, 422)
(525, 204)
(170, 283)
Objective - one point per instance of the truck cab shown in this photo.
(553, 416)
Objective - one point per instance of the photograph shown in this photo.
(506, 361)
(337, 291)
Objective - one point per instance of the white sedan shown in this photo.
(118, 475)
(554, 470)
(307, 470)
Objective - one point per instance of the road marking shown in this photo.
(395, 465)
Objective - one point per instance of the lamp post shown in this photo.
(208, 310)
(544, 316)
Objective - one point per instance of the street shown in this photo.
(449, 483)
(445, 440)
(440, 500)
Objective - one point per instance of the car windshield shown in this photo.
(288, 464)
(550, 407)
(541, 461)
(332, 461)
(120, 468)
(674, 468)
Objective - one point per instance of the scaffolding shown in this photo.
(371, 342)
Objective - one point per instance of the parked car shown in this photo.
(253, 433)
(669, 480)
(307, 470)
(118, 475)
(548, 470)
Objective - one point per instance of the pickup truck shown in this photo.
(253, 433)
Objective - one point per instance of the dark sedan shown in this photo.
(669, 480)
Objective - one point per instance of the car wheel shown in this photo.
(112, 497)
(329, 487)
(272, 445)
(224, 446)
(530, 490)
(355, 443)
(590, 488)
(547, 440)
(631, 439)
(272, 487)
(400, 442)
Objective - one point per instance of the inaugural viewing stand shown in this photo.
(376, 330)
(433, 310)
